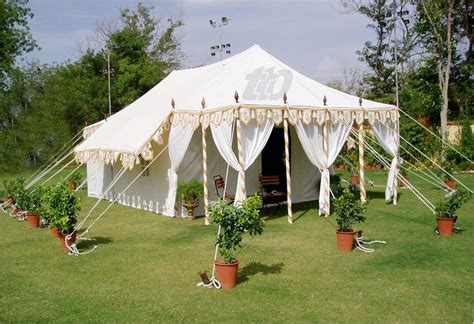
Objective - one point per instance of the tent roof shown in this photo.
(259, 78)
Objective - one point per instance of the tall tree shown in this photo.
(49, 104)
(436, 25)
(15, 36)
(379, 54)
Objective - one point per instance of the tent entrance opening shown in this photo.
(273, 157)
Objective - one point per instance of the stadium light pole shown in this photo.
(220, 47)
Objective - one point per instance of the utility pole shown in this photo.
(108, 74)
(396, 14)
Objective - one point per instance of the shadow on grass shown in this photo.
(375, 194)
(299, 210)
(254, 268)
(87, 244)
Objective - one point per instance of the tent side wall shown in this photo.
(149, 192)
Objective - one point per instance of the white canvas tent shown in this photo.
(194, 114)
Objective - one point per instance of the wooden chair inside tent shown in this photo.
(219, 183)
(270, 195)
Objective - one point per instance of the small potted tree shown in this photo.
(353, 168)
(234, 221)
(14, 190)
(445, 211)
(75, 179)
(22, 202)
(188, 194)
(449, 181)
(62, 208)
(35, 208)
(348, 211)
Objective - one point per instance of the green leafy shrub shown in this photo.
(234, 222)
(14, 187)
(62, 206)
(447, 207)
(76, 177)
(36, 200)
(348, 211)
(335, 184)
(189, 192)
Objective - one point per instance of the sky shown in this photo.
(314, 37)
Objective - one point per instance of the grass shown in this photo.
(145, 269)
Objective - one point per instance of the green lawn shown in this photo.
(145, 269)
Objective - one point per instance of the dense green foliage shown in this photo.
(44, 106)
(422, 38)
(62, 207)
(235, 220)
(15, 36)
(348, 210)
(447, 207)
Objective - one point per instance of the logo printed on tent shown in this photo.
(267, 84)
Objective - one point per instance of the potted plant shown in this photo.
(35, 208)
(449, 181)
(74, 179)
(188, 194)
(335, 184)
(234, 221)
(445, 211)
(62, 208)
(348, 211)
(353, 167)
(14, 189)
(22, 200)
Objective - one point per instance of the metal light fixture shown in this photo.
(221, 47)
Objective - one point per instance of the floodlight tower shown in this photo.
(221, 47)
(108, 72)
(394, 16)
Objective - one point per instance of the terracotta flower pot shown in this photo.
(424, 120)
(451, 183)
(62, 239)
(72, 185)
(54, 232)
(33, 220)
(378, 166)
(354, 179)
(445, 226)
(345, 240)
(227, 273)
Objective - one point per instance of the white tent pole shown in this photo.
(326, 151)
(360, 133)
(397, 168)
(241, 158)
(204, 166)
(287, 164)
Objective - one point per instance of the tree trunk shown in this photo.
(445, 84)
